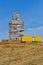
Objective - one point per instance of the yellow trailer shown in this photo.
(26, 39)
(31, 39)
(38, 38)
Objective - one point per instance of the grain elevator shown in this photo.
(16, 27)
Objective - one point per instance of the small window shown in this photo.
(16, 19)
(21, 30)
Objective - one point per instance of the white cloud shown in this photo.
(35, 28)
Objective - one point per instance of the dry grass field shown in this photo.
(21, 53)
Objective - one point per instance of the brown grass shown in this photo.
(17, 53)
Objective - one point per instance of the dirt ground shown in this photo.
(21, 54)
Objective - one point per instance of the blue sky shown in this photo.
(31, 12)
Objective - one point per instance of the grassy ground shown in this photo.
(21, 54)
